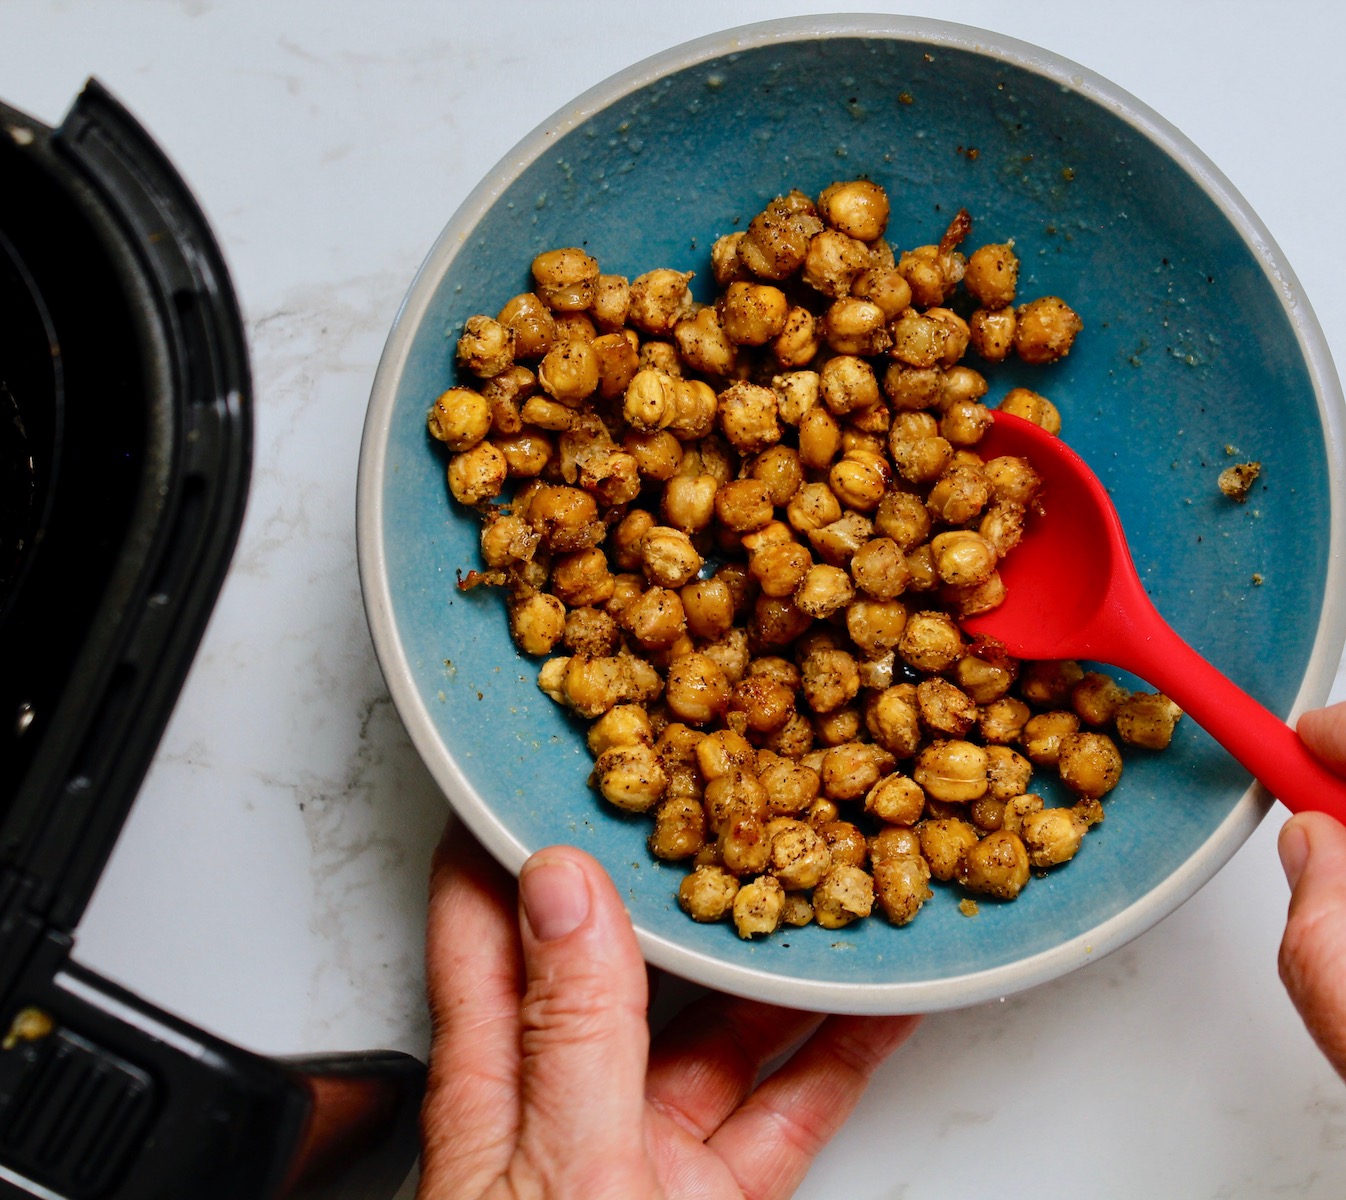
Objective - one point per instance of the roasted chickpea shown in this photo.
(1090, 764)
(902, 517)
(964, 422)
(790, 787)
(725, 263)
(1031, 406)
(819, 438)
(943, 840)
(630, 777)
(650, 403)
(460, 418)
(618, 360)
(486, 347)
(537, 622)
(743, 505)
(655, 619)
(880, 568)
(566, 517)
(901, 886)
(798, 341)
(1008, 773)
(1147, 719)
(930, 642)
(679, 828)
(838, 541)
(689, 502)
(860, 480)
(507, 539)
(959, 494)
(532, 324)
(995, 866)
(777, 239)
(963, 557)
(703, 343)
(855, 326)
(759, 907)
(581, 578)
(1045, 329)
(832, 262)
(659, 299)
(952, 770)
(885, 287)
(847, 383)
(1052, 836)
(1002, 721)
(697, 689)
(566, 279)
(991, 333)
(856, 207)
(850, 769)
(945, 708)
(747, 415)
(707, 893)
(833, 729)
(829, 679)
(800, 857)
(708, 605)
(1012, 480)
(992, 274)
(779, 470)
(695, 408)
(743, 843)
(896, 799)
(751, 314)
(668, 557)
(823, 590)
(1049, 684)
(621, 725)
(1096, 698)
(477, 474)
(1042, 735)
(843, 895)
(796, 393)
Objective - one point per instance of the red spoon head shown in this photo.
(1062, 580)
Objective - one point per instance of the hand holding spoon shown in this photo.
(1073, 592)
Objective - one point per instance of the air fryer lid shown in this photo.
(124, 450)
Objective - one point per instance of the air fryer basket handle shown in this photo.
(105, 1097)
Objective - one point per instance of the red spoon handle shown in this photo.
(1257, 738)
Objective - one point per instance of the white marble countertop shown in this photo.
(269, 885)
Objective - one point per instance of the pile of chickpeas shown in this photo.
(741, 535)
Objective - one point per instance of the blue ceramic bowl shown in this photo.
(1197, 340)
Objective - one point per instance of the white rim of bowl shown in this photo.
(927, 996)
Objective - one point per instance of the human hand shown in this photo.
(543, 1081)
(1313, 852)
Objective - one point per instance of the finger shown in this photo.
(1313, 949)
(707, 1060)
(772, 1140)
(470, 1116)
(1323, 731)
(585, 1028)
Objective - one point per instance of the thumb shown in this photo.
(1323, 731)
(1313, 951)
(585, 1027)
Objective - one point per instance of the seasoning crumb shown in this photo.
(1257, 579)
(1237, 481)
(968, 907)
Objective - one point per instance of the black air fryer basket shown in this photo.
(125, 445)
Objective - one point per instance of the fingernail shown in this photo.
(555, 897)
(1293, 847)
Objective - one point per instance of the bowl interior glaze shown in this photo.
(1197, 351)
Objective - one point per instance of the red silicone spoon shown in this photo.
(1073, 592)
